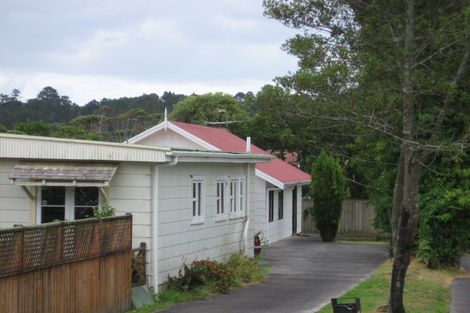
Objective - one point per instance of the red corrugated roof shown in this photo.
(228, 142)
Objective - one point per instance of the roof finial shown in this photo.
(166, 119)
(248, 145)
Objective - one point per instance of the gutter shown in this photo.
(214, 156)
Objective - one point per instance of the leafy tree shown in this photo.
(328, 189)
(74, 132)
(213, 109)
(34, 128)
(397, 69)
(15, 94)
(48, 93)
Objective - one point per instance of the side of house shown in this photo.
(278, 185)
(186, 205)
(202, 213)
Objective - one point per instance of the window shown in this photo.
(58, 203)
(221, 185)
(241, 197)
(237, 197)
(197, 200)
(271, 205)
(233, 197)
(280, 201)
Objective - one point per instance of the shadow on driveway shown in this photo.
(305, 274)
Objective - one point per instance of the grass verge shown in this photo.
(425, 290)
(242, 270)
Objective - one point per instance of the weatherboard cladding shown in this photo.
(44, 148)
(226, 141)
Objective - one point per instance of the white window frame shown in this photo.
(198, 198)
(237, 200)
(221, 199)
(242, 196)
(69, 205)
(233, 197)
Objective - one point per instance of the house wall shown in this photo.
(168, 138)
(130, 192)
(180, 241)
(278, 229)
(261, 217)
(14, 203)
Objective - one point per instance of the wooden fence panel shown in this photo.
(69, 267)
(357, 217)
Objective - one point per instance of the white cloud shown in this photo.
(88, 49)
(82, 88)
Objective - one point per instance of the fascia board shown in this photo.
(270, 179)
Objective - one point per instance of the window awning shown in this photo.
(62, 174)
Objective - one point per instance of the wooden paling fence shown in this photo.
(357, 219)
(68, 267)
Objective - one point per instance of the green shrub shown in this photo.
(246, 270)
(328, 190)
(444, 233)
(215, 275)
(218, 277)
(106, 210)
(187, 279)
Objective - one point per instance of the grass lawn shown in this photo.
(425, 290)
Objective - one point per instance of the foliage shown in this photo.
(246, 270)
(211, 108)
(74, 132)
(427, 290)
(105, 210)
(36, 128)
(218, 277)
(444, 234)
(206, 277)
(328, 189)
(375, 158)
(397, 70)
(204, 272)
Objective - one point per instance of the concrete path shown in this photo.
(460, 292)
(305, 274)
(460, 296)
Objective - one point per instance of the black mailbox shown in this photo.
(354, 307)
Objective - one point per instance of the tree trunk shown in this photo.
(397, 199)
(409, 211)
(405, 234)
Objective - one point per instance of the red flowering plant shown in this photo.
(218, 275)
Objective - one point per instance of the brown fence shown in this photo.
(357, 217)
(69, 267)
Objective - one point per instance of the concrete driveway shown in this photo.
(305, 274)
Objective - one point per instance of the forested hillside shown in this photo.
(52, 114)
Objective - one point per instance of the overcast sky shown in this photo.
(111, 48)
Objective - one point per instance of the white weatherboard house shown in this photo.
(278, 191)
(186, 205)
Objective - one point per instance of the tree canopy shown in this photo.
(393, 73)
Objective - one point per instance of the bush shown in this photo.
(246, 270)
(328, 190)
(218, 277)
(106, 210)
(444, 233)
